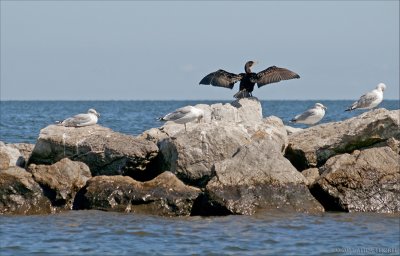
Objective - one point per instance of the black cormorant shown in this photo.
(247, 80)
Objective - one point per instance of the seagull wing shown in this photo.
(305, 115)
(272, 75)
(365, 100)
(221, 78)
(177, 114)
(78, 120)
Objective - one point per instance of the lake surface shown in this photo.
(107, 233)
(275, 233)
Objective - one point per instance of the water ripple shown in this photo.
(102, 233)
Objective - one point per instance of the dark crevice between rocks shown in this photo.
(329, 202)
(51, 194)
(199, 183)
(80, 201)
(297, 158)
(151, 171)
(204, 206)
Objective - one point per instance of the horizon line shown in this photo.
(391, 99)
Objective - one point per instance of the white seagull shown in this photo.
(370, 99)
(80, 120)
(184, 115)
(311, 116)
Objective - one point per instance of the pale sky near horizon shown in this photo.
(160, 50)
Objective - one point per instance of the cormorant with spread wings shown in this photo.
(247, 80)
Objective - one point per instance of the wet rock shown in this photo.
(61, 181)
(20, 194)
(165, 195)
(258, 178)
(105, 152)
(364, 181)
(313, 146)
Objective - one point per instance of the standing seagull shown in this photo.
(81, 120)
(248, 79)
(311, 116)
(184, 115)
(370, 99)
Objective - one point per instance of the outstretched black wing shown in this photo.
(221, 78)
(273, 75)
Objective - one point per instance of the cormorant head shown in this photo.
(248, 65)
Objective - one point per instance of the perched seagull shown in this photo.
(81, 120)
(370, 99)
(184, 115)
(311, 116)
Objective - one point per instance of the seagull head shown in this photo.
(319, 105)
(381, 86)
(94, 112)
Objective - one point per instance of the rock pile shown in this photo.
(233, 162)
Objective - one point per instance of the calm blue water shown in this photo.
(101, 233)
(105, 233)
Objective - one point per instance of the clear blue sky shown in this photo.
(133, 50)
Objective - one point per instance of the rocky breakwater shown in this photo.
(236, 158)
(61, 163)
(233, 162)
(352, 165)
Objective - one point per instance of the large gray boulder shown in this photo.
(225, 128)
(61, 181)
(245, 111)
(191, 155)
(364, 181)
(165, 195)
(258, 178)
(312, 147)
(20, 194)
(105, 152)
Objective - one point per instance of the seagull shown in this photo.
(248, 79)
(370, 99)
(184, 115)
(80, 120)
(311, 116)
